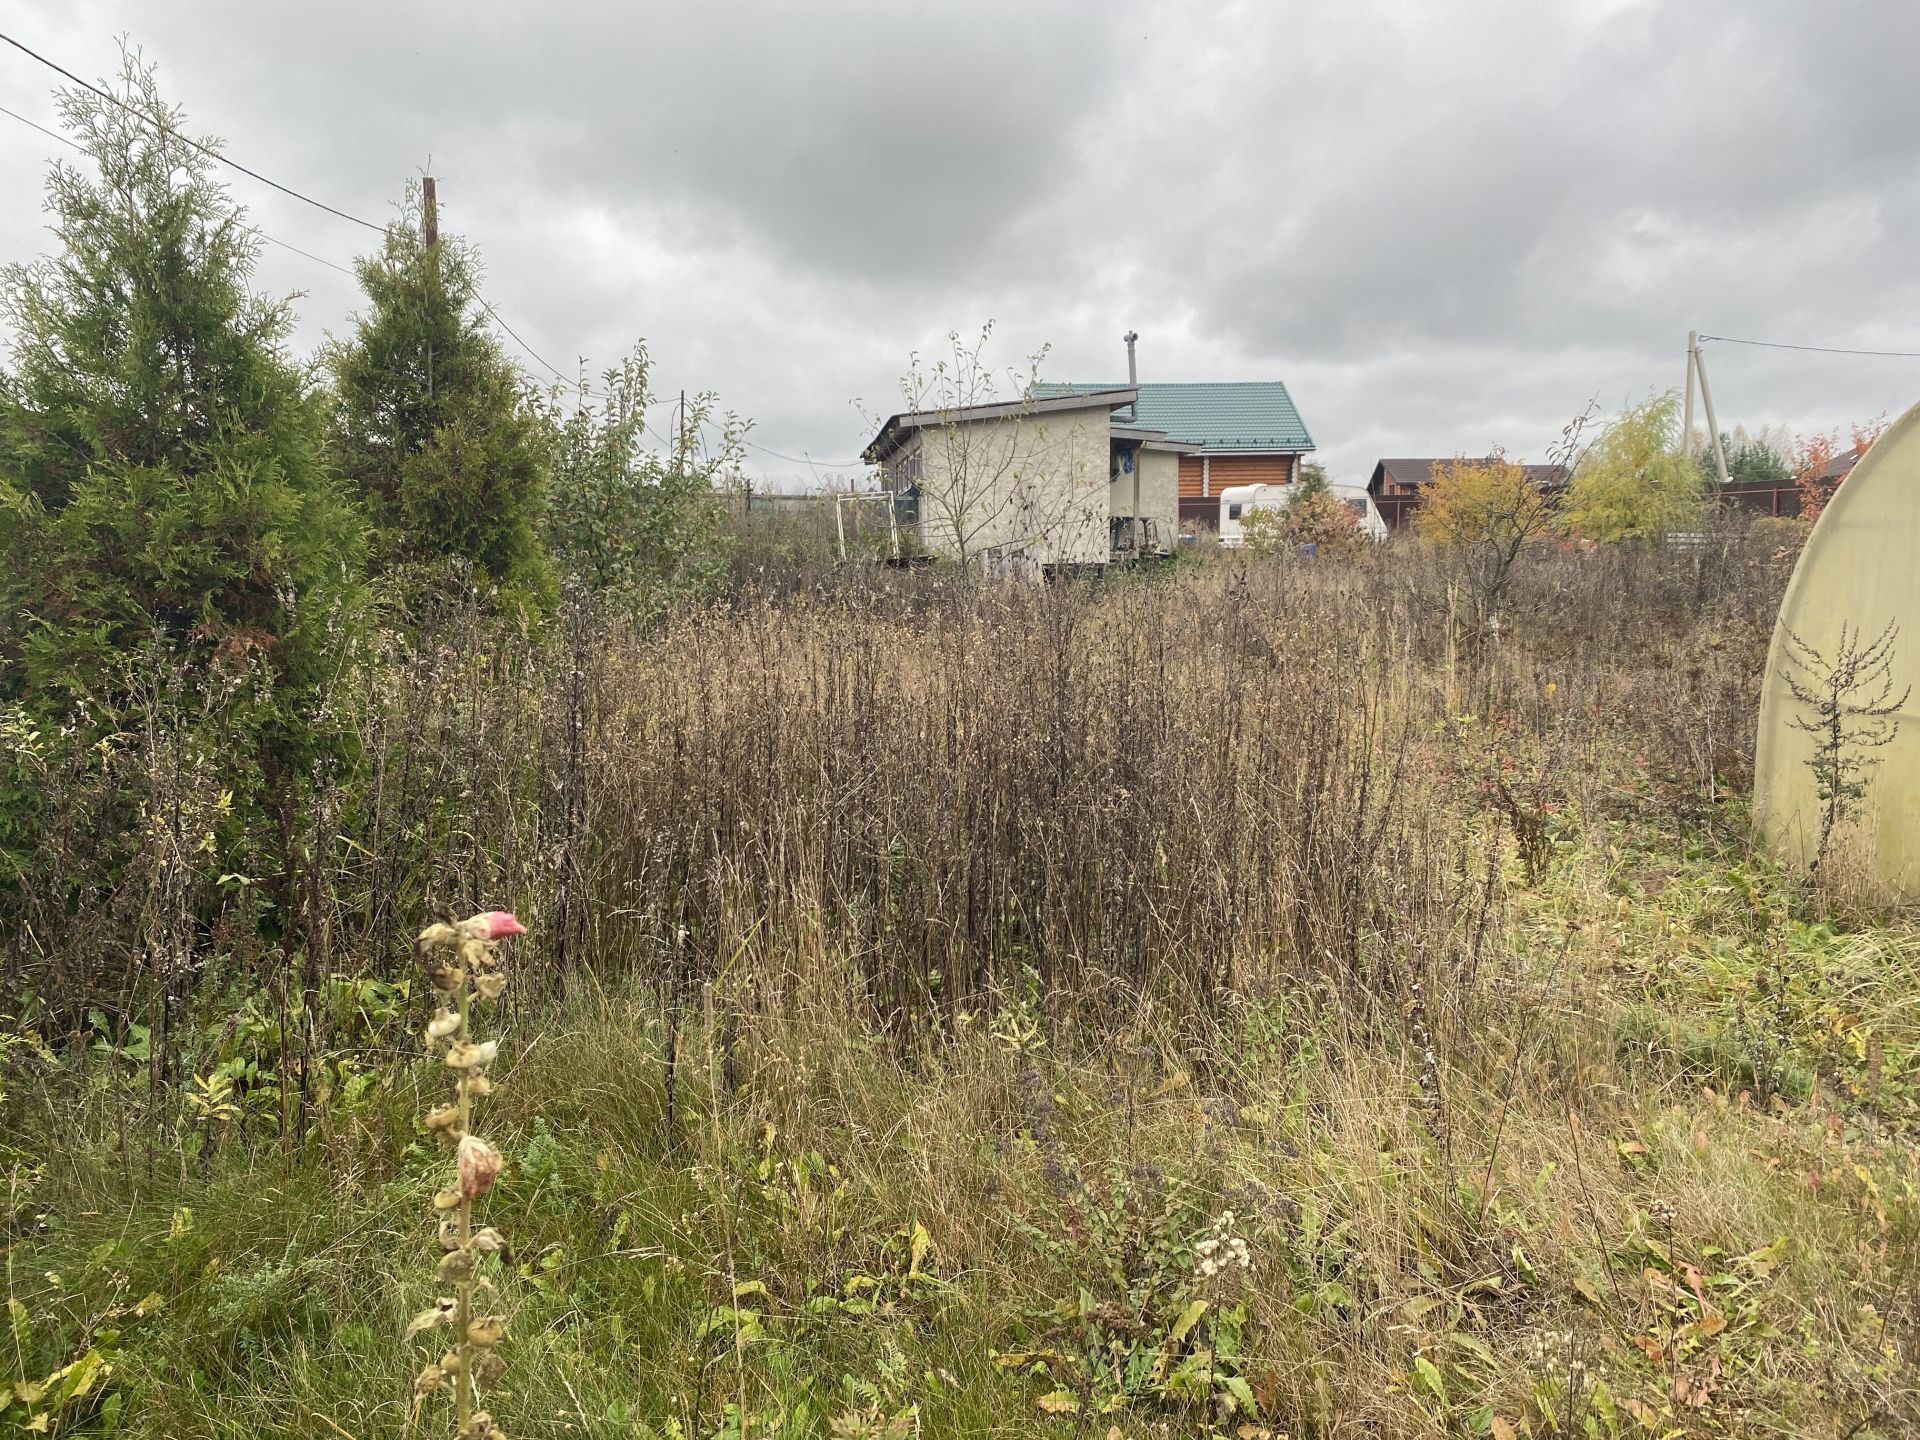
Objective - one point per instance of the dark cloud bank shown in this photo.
(1445, 226)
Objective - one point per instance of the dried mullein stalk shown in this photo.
(463, 966)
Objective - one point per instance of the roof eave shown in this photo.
(888, 442)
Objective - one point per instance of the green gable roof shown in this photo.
(1225, 415)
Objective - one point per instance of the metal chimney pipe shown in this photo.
(1133, 374)
(1138, 527)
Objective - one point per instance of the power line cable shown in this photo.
(169, 131)
(212, 154)
(68, 140)
(808, 459)
(487, 305)
(36, 125)
(558, 373)
(1817, 349)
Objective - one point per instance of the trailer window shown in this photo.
(1233, 511)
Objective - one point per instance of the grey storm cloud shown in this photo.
(1446, 227)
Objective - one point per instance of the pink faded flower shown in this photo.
(496, 925)
(479, 1165)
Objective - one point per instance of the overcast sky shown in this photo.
(1445, 226)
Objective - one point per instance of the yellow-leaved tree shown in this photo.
(1481, 516)
(1634, 483)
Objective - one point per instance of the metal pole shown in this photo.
(1713, 425)
(1138, 528)
(1133, 375)
(1686, 425)
(1139, 524)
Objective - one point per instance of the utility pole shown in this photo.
(1699, 368)
(1686, 424)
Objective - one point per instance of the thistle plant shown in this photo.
(1849, 707)
(463, 966)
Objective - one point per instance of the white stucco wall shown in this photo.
(1031, 487)
(1159, 492)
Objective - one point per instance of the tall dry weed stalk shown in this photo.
(898, 794)
(463, 966)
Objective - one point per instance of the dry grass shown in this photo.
(925, 971)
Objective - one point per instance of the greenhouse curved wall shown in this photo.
(1860, 569)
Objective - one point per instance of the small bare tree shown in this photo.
(1850, 710)
(1005, 491)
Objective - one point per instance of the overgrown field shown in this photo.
(1240, 1002)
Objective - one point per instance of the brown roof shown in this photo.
(1420, 472)
(1841, 465)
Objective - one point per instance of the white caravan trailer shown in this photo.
(1236, 501)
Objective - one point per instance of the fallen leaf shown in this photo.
(1691, 1273)
(1059, 1402)
(1502, 1430)
(1694, 1394)
(1641, 1411)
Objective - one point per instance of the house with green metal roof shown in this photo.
(1237, 432)
(1034, 486)
(1071, 476)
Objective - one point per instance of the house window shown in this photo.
(905, 475)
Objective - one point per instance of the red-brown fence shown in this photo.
(1756, 497)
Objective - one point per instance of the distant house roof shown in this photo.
(1416, 473)
(1217, 415)
(892, 434)
(1841, 465)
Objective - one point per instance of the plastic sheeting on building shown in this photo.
(1860, 569)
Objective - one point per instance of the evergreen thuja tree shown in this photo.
(432, 424)
(161, 471)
